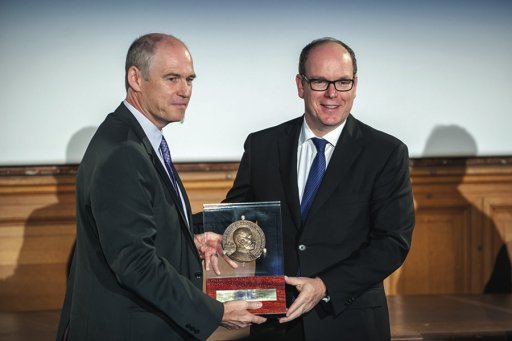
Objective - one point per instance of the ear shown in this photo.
(354, 89)
(134, 78)
(300, 87)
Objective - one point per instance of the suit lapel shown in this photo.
(125, 115)
(348, 148)
(188, 212)
(288, 167)
(165, 178)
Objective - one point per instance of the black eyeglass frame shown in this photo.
(305, 78)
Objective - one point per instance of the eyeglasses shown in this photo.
(341, 85)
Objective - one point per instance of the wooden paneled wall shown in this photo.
(463, 227)
(463, 212)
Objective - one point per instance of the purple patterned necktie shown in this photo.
(164, 148)
(316, 174)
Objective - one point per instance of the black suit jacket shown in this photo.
(358, 229)
(136, 274)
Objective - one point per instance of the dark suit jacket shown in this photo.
(359, 226)
(136, 274)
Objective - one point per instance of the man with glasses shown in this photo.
(347, 205)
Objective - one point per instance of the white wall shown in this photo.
(436, 74)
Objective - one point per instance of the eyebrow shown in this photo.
(172, 74)
(335, 80)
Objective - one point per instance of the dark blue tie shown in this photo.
(164, 148)
(316, 173)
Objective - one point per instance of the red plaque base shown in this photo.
(277, 306)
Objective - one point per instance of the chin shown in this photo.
(331, 123)
(178, 118)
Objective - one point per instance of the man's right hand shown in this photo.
(236, 315)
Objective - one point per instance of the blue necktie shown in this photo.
(316, 173)
(164, 148)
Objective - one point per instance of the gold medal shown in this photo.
(243, 241)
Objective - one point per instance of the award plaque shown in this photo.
(251, 264)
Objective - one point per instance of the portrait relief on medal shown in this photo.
(243, 241)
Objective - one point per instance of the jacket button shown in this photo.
(302, 247)
(198, 275)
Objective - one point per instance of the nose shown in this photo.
(184, 88)
(331, 91)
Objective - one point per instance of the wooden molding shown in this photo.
(463, 221)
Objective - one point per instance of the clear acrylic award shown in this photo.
(251, 263)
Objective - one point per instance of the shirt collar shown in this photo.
(152, 132)
(332, 137)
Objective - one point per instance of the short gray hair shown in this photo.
(141, 51)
